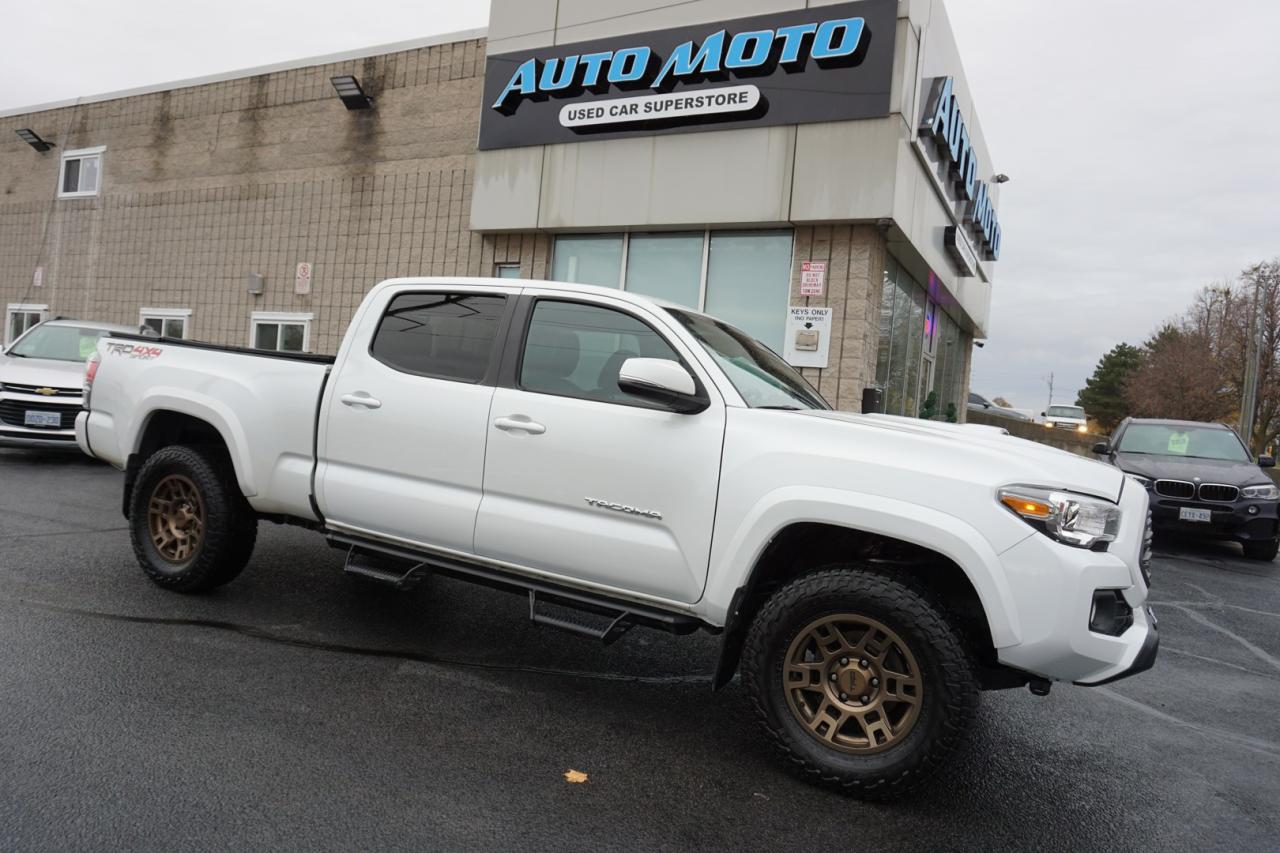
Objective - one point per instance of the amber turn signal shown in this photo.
(1029, 507)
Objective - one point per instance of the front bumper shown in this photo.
(1144, 661)
(15, 433)
(1231, 521)
(1053, 587)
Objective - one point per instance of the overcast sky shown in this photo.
(1142, 137)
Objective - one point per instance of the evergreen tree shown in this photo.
(1103, 395)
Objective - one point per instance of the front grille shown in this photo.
(1175, 489)
(1218, 493)
(31, 389)
(1144, 559)
(13, 413)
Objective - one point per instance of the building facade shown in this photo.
(814, 173)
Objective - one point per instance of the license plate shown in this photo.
(1187, 513)
(43, 419)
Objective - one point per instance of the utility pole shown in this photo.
(1049, 379)
(1252, 367)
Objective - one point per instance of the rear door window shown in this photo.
(442, 335)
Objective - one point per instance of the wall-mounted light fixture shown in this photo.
(33, 139)
(348, 89)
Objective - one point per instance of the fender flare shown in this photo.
(928, 528)
(216, 414)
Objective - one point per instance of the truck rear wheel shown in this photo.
(191, 528)
(859, 681)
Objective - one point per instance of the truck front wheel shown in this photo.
(859, 681)
(191, 528)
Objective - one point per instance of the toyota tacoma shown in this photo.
(625, 462)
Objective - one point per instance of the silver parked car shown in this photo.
(42, 382)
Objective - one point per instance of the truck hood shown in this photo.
(1180, 468)
(1028, 462)
(41, 372)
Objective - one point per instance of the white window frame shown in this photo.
(278, 317)
(80, 154)
(21, 308)
(506, 265)
(162, 314)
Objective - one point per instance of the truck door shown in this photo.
(404, 424)
(585, 481)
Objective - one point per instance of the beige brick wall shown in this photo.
(855, 257)
(206, 184)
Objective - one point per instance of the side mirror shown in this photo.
(1102, 448)
(664, 382)
(1043, 415)
(1266, 462)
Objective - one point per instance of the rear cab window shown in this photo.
(440, 335)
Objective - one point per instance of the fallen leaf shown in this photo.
(575, 777)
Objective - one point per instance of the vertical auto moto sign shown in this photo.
(828, 63)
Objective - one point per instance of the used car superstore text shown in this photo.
(635, 106)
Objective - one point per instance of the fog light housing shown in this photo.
(1110, 614)
(1253, 510)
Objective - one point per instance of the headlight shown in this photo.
(1049, 424)
(1070, 518)
(1082, 428)
(1266, 493)
(1145, 482)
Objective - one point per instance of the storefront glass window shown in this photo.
(743, 277)
(666, 266)
(748, 281)
(886, 325)
(902, 329)
(911, 390)
(588, 259)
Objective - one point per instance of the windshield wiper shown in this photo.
(783, 408)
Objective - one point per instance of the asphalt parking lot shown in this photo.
(301, 709)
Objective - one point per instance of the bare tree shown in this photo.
(1179, 378)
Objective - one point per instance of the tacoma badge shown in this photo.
(630, 510)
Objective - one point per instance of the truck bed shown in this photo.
(262, 403)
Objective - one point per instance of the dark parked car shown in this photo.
(1202, 481)
(978, 403)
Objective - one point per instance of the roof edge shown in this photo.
(286, 65)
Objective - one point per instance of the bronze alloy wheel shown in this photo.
(175, 516)
(852, 683)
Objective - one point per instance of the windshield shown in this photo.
(1066, 412)
(1188, 441)
(58, 343)
(763, 379)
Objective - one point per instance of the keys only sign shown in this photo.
(808, 340)
(828, 63)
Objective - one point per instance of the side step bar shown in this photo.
(607, 634)
(404, 567)
(386, 571)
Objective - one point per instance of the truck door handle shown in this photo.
(361, 398)
(520, 422)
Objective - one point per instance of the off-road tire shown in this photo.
(1265, 550)
(950, 686)
(230, 527)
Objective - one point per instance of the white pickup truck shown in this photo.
(626, 462)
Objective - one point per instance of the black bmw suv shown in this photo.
(1202, 481)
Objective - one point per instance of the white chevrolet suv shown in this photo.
(42, 380)
(626, 462)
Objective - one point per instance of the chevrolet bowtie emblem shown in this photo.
(46, 392)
